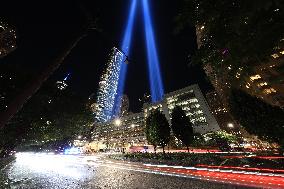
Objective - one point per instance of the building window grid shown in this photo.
(190, 106)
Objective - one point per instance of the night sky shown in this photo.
(45, 28)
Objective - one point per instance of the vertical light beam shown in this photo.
(156, 84)
(125, 46)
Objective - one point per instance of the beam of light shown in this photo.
(157, 89)
(125, 46)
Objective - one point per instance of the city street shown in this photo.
(142, 94)
(31, 170)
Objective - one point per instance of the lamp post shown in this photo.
(230, 125)
(118, 123)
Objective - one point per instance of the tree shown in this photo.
(258, 117)
(51, 117)
(238, 26)
(150, 132)
(182, 127)
(198, 140)
(157, 130)
(234, 35)
(222, 139)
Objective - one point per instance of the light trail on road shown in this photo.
(246, 177)
(243, 168)
(66, 165)
(254, 179)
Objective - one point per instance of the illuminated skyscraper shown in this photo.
(123, 106)
(62, 84)
(108, 87)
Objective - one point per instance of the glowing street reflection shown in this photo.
(49, 163)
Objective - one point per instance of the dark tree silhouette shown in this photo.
(182, 127)
(157, 130)
(258, 117)
(50, 116)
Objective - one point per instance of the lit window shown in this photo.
(269, 91)
(254, 77)
(275, 55)
(262, 84)
(238, 75)
(282, 52)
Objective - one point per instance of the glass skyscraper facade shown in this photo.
(108, 86)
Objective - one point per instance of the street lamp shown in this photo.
(117, 122)
(230, 125)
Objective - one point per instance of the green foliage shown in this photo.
(150, 132)
(51, 115)
(182, 127)
(236, 32)
(222, 139)
(198, 140)
(13, 80)
(193, 159)
(222, 134)
(157, 129)
(258, 117)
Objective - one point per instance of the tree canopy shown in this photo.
(51, 115)
(222, 139)
(157, 129)
(234, 33)
(258, 117)
(182, 127)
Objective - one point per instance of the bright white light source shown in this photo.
(117, 122)
(49, 163)
(72, 151)
(230, 125)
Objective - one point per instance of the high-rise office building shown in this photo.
(129, 130)
(220, 112)
(62, 84)
(266, 81)
(124, 106)
(192, 101)
(108, 85)
(119, 133)
(261, 79)
(220, 82)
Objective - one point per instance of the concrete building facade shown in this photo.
(192, 101)
(129, 131)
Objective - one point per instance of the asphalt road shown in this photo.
(47, 171)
